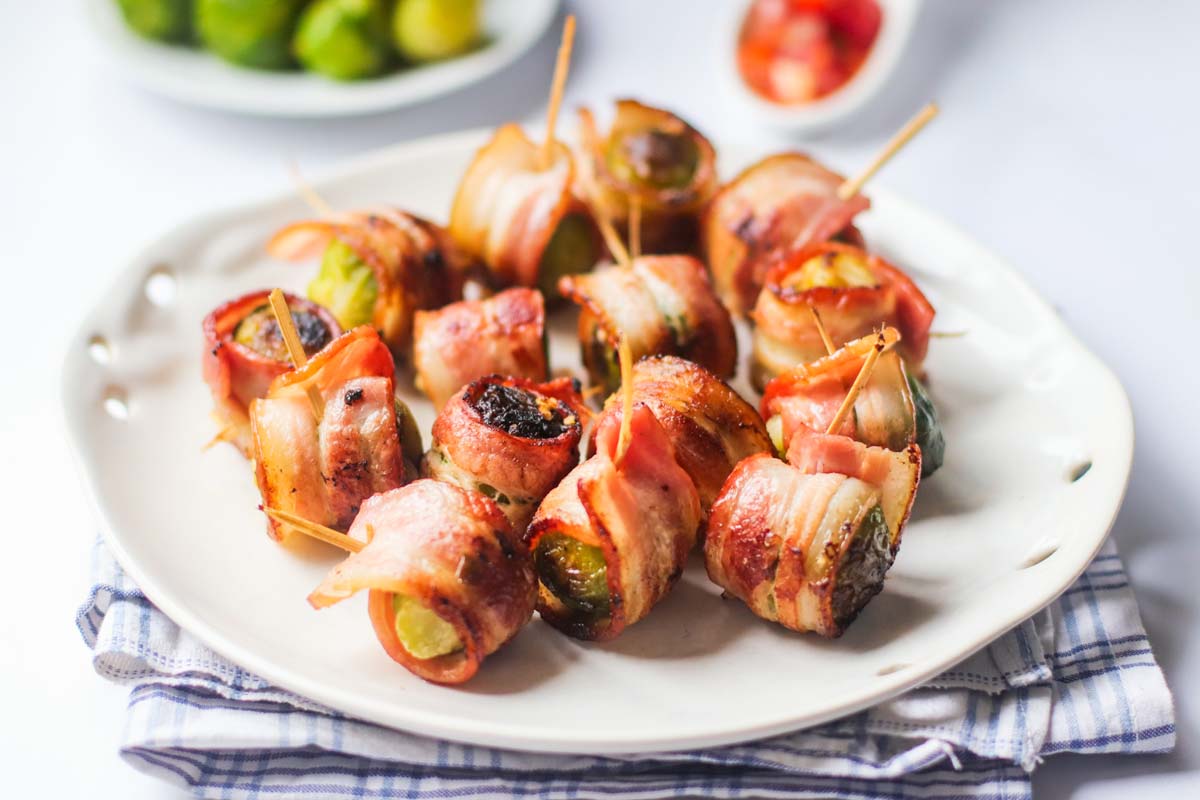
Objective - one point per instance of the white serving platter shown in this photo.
(197, 77)
(1005, 526)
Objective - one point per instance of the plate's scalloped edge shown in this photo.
(520, 738)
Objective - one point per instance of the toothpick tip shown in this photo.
(852, 186)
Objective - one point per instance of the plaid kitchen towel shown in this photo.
(1079, 677)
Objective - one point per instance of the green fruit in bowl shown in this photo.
(251, 33)
(428, 30)
(165, 20)
(344, 39)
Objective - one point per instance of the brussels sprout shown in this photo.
(521, 412)
(574, 572)
(423, 633)
(832, 269)
(860, 575)
(428, 30)
(602, 360)
(654, 158)
(345, 285)
(410, 433)
(680, 328)
(259, 331)
(571, 250)
(165, 20)
(929, 431)
(252, 33)
(883, 413)
(344, 39)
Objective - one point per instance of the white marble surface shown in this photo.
(1067, 144)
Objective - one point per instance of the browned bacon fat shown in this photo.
(502, 335)
(322, 470)
(805, 550)
(612, 538)
(654, 160)
(711, 427)
(378, 267)
(244, 352)
(519, 215)
(808, 396)
(510, 438)
(662, 304)
(853, 291)
(895, 474)
(783, 202)
(449, 581)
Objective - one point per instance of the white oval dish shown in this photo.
(997, 534)
(193, 76)
(899, 17)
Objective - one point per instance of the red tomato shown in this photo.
(764, 18)
(859, 20)
(805, 59)
(803, 34)
(793, 51)
(819, 6)
(754, 61)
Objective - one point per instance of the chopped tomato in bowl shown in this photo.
(796, 51)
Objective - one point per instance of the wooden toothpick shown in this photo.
(611, 239)
(287, 328)
(314, 200)
(853, 186)
(561, 67)
(291, 340)
(315, 531)
(825, 338)
(864, 374)
(591, 192)
(625, 354)
(602, 216)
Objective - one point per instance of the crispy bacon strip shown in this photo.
(895, 474)
(808, 396)
(785, 201)
(323, 470)
(509, 205)
(417, 264)
(670, 215)
(236, 373)
(510, 438)
(806, 551)
(711, 427)
(643, 513)
(451, 550)
(785, 333)
(664, 305)
(502, 335)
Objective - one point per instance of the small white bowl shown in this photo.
(192, 75)
(899, 17)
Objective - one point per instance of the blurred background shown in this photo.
(1067, 143)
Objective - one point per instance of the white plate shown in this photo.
(194, 76)
(997, 534)
(899, 17)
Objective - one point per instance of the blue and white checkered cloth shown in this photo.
(1079, 677)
